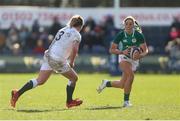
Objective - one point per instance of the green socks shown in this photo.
(108, 84)
(126, 97)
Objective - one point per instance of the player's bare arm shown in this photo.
(74, 53)
(144, 50)
(114, 49)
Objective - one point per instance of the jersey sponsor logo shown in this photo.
(134, 40)
(125, 40)
(125, 57)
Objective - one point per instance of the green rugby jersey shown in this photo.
(125, 40)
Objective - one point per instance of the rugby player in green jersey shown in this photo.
(129, 37)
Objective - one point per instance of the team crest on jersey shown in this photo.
(68, 34)
(134, 40)
(124, 40)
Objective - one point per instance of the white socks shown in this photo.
(35, 83)
(69, 83)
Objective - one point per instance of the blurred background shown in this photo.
(27, 28)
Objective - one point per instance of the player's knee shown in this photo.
(74, 79)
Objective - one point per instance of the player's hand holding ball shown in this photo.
(135, 53)
(132, 52)
(127, 51)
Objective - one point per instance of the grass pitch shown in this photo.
(153, 97)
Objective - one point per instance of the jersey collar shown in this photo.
(127, 35)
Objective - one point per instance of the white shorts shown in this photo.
(134, 64)
(51, 64)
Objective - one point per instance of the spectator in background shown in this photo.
(110, 31)
(93, 35)
(86, 39)
(175, 28)
(44, 37)
(109, 38)
(90, 23)
(50, 39)
(99, 33)
(13, 27)
(176, 23)
(2, 42)
(35, 26)
(173, 34)
(173, 48)
(32, 39)
(23, 36)
(12, 41)
(31, 42)
(109, 23)
(42, 42)
(55, 26)
(39, 48)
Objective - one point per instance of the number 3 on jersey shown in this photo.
(59, 36)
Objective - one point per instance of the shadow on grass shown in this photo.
(35, 110)
(62, 109)
(39, 110)
(104, 108)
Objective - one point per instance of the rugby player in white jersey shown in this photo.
(60, 58)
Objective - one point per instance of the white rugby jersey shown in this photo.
(61, 46)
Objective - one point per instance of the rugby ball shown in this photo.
(134, 50)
